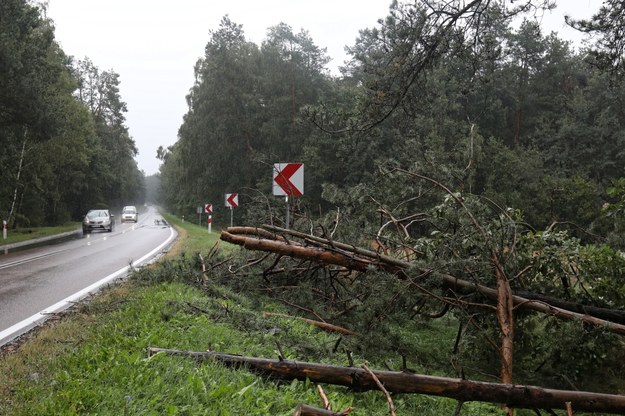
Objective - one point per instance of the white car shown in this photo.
(130, 213)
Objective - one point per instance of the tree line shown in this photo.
(513, 114)
(64, 145)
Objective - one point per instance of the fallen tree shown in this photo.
(518, 396)
(330, 252)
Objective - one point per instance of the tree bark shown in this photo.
(518, 396)
(505, 318)
(17, 180)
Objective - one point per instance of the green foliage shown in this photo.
(61, 149)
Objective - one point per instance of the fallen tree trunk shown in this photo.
(360, 263)
(616, 316)
(518, 396)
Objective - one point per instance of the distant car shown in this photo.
(98, 219)
(130, 213)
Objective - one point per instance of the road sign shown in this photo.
(288, 179)
(208, 208)
(232, 200)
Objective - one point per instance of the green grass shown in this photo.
(29, 233)
(196, 238)
(94, 361)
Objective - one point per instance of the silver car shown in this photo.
(130, 213)
(98, 219)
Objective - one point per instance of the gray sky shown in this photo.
(154, 44)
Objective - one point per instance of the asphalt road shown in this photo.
(35, 282)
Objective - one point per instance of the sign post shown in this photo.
(288, 180)
(232, 201)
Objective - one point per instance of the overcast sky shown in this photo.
(154, 44)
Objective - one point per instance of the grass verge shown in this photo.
(23, 234)
(93, 359)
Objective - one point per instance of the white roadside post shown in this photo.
(4, 229)
(208, 208)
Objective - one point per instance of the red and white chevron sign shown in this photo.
(232, 200)
(288, 179)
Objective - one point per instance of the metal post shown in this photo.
(231, 211)
(210, 222)
(288, 211)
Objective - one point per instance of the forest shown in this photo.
(513, 116)
(64, 145)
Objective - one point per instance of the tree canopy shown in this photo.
(64, 146)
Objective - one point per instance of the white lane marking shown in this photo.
(28, 260)
(30, 322)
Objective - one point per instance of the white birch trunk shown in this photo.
(17, 181)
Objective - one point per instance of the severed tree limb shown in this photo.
(518, 396)
(381, 387)
(322, 394)
(306, 253)
(318, 324)
(259, 232)
(347, 247)
(361, 263)
(612, 315)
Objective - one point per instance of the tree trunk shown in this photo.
(518, 396)
(17, 180)
(505, 317)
